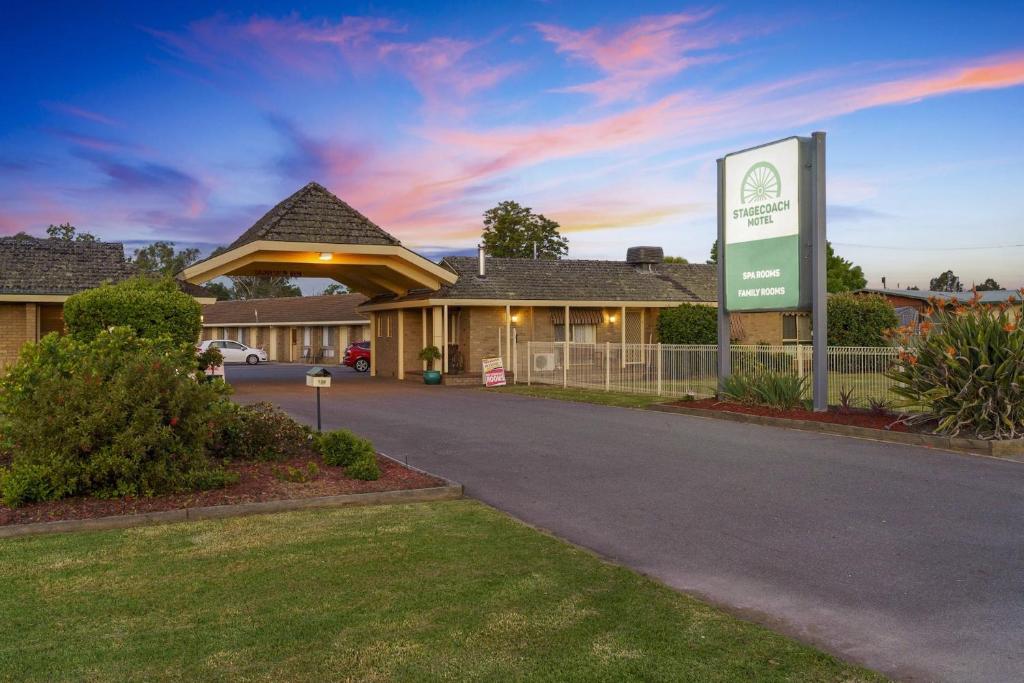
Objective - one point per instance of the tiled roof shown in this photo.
(285, 310)
(33, 265)
(574, 280)
(313, 214)
(47, 266)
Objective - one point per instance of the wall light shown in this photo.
(611, 318)
(515, 317)
(326, 256)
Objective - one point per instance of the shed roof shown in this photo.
(995, 296)
(314, 214)
(326, 308)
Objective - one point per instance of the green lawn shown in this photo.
(605, 398)
(450, 590)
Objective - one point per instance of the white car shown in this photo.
(234, 352)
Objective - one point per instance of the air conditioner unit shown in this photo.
(543, 362)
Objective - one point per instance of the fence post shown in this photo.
(565, 362)
(607, 366)
(799, 360)
(659, 368)
(529, 363)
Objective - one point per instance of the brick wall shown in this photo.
(12, 332)
(760, 327)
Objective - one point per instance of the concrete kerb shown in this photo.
(449, 491)
(1004, 450)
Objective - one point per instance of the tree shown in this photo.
(335, 288)
(220, 290)
(841, 275)
(151, 307)
(989, 285)
(688, 324)
(674, 259)
(713, 258)
(69, 233)
(160, 258)
(913, 288)
(946, 282)
(514, 231)
(859, 320)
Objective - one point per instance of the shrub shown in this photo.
(152, 307)
(688, 324)
(859, 320)
(781, 391)
(118, 415)
(260, 431)
(357, 455)
(965, 368)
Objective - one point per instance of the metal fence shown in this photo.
(676, 370)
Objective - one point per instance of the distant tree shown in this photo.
(160, 258)
(713, 258)
(512, 231)
(674, 259)
(335, 288)
(946, 282)
(842, 275)
(220, 290)
(69, 233)
(913, 288)
(989, 285)
(252, 287)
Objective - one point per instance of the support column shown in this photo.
(819, 308)
(32, 322)
(622, 330)
(373, 344)
(272, 343)
(401, 343)
(423, 324)
(508, 336)
(444, 338)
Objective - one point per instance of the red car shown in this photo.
(357, 356)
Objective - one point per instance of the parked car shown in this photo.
(357, 356)
(234, 352)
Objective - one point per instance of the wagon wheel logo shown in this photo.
(761, 182)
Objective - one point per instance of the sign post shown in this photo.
(318, 377)
(771, 241)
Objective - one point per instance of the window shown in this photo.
(384, 325)
(232, 345)
(579, 333)
(305, 336)
(243, 335)
(796, 329)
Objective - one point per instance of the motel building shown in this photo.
(310, 329)
(37, 275)
(470, 308)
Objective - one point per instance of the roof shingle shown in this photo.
(33, 265)
(574, 280)
(313, 214)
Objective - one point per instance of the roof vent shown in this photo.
(645, 258)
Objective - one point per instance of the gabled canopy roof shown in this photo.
(313, 214)
(314, 234)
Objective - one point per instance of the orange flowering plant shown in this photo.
(965, 368)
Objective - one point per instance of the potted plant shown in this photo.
(430, 354)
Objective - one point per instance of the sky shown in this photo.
(187, 121)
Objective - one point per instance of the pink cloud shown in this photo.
(648, 50)
(80, 113)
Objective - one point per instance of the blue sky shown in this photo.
(186, 123)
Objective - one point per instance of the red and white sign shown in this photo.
(494, 372)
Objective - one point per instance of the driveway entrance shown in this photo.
(906, 560)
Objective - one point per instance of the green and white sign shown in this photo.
(762, 227)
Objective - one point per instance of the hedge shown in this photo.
(859, 320)
(688, 324)
(151, 307)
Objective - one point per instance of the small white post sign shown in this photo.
(494, 372)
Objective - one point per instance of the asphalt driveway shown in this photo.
(907, 560)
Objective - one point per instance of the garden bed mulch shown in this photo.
(853, 417)
(258, 482)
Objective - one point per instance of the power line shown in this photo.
(921, 248)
